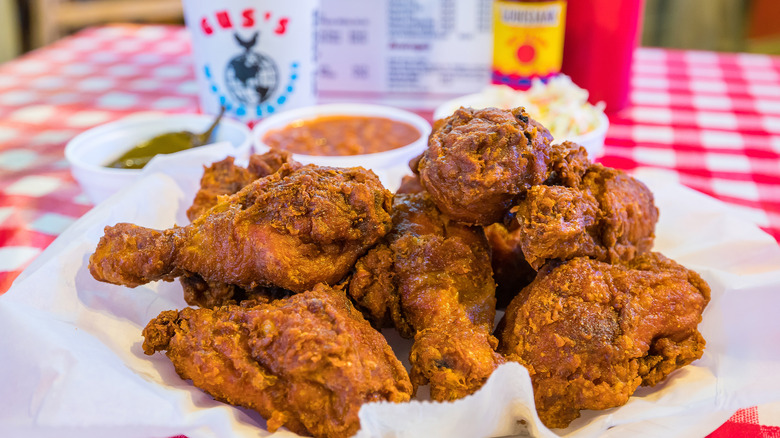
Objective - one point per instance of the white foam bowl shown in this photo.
(592, 141)
(388, 165)
(89, 152)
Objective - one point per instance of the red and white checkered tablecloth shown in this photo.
(710, 121)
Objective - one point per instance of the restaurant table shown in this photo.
(710, 121)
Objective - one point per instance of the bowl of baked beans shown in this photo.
(376, 137)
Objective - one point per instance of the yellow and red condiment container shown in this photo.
(528, 41)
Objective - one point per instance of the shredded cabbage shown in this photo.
(560, 105)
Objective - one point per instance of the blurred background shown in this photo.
(719, 25)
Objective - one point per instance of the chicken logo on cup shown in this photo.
(253, 57)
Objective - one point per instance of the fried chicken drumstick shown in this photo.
(590, 333)
(292, 229)
(306, 363)
(220, 179)
(433, 280)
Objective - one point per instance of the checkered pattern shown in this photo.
(711, 121)
(49, 96)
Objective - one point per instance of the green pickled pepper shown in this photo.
(168, 143)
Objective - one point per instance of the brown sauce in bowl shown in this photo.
(342, 135)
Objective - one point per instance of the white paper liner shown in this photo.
(72, 364)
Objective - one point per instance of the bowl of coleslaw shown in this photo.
(560, 105)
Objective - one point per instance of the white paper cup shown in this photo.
(254, 57)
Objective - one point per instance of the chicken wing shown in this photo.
(480, 162)
(292, 229)
(590, 333)
(306, 363)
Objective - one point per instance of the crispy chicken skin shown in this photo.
(410, 184)
(225, 178)
(557, 222)
(610, 216)
(199, 292)
(480, 162)
(373, 287)
(434, 281)
(590, 333)
(306, 363)
(582, 209)
(292, 229)
(220, 179)
(262, 165)
(510, 269)
(568, 164)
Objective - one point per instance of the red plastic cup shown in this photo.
(598, 48)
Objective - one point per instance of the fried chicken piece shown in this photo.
(510, 269)
(262, 165)
(627, 212)
(225, 178)
(306, 363)
(447, 296)
(433, 279)
(568, 164)
(610, 217)
(220, 179)
(581, 210)
(410, 184)
(373, 287)
(480, 162)
(590, 333)
(199, 292)
(292, 229)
